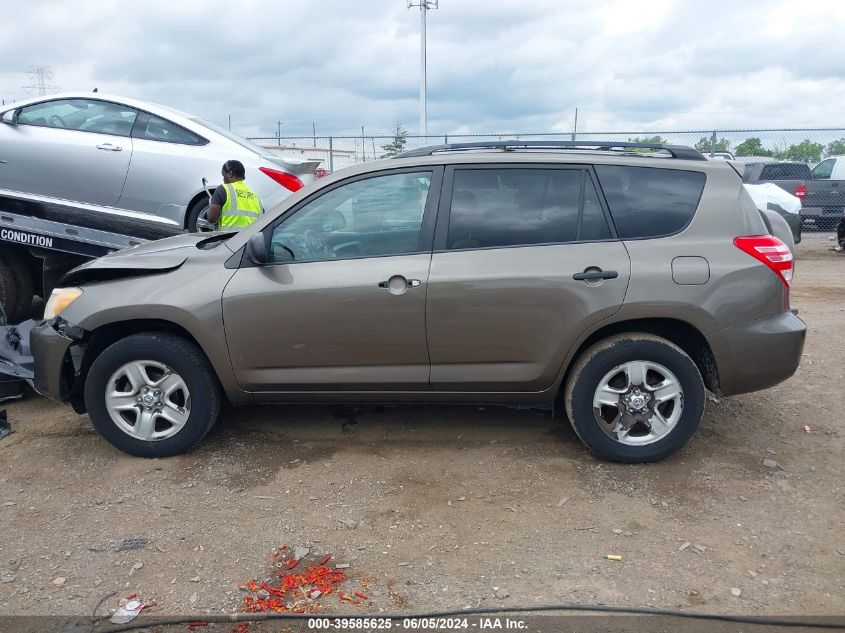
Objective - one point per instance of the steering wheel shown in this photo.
(57, 121)
(316, 245)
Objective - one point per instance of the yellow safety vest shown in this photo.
(242, 206)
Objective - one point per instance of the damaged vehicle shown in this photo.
(609, 284)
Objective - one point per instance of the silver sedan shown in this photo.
(125, 157)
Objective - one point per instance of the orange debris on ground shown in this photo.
(297, 592)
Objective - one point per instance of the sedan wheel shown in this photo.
(203, 223)
(197, 219)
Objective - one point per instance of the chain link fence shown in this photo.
(823, 203)
(809, 145)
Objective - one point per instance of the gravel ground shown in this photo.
(437, 507)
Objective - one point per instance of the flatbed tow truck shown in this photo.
(42, 240)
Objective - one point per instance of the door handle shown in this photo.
(397, 284)
(594, 274)
(109, 147)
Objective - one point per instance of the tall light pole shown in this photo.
(425, 6)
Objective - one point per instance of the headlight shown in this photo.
(59, 299)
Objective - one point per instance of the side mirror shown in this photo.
(257, 249)
(10, 117)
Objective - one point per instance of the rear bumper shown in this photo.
(758, 355)
(52, 363)
(823, 212)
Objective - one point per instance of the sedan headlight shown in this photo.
(59, 299)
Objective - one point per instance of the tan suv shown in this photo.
(613, 282)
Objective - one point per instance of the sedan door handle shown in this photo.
(594, 274)
(109, 147)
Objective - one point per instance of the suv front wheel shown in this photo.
(152, 394)
(634, 398)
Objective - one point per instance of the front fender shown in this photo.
(188, 297)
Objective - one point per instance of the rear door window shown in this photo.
(648, 202)
(493, 208)
(153, 128)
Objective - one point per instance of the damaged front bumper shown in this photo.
(57, 348)
(15, 356)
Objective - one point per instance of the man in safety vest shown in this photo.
(234, 205)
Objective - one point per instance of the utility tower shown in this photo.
(425, 6)
(42, 75)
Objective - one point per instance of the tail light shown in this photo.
(801, 192)
(321, 173)
(773, 253)
(286, 180)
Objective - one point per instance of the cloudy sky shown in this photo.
(494, 65)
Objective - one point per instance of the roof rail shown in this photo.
(675, 151)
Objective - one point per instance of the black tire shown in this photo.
(602, 358)
(194, 213)
(186, 359)
(8, 289)
(24, 286)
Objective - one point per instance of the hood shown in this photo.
(185, 240)
(144, 259)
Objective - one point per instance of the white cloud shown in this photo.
(493, 66)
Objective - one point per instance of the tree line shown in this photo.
(806, 151)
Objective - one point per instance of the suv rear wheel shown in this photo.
(634, 398)
(152, 394)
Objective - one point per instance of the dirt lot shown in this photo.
(436, 507)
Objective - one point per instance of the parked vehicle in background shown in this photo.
(820, 189)
(584, 276)
(718, 155)
(113, 155)
(770, 198)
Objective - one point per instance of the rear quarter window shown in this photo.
(648, 202)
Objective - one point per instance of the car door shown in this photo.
(168, 165)
(525, 261)
(341, 304)
(72, 149)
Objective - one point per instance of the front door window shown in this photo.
(374, 217)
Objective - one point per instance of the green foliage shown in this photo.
(753, 147)
(645, 139)
(835, 148)
(397, 145)
(805, 152)
(648, 139)
(722, 145)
